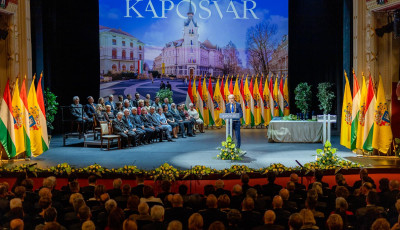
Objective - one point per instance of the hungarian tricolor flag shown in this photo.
(199, 99)
(219, 104)
(271, 96)
(281, 99)
(345, 131)
(242, 101)
(205, 98)
(7, 136)
(369, 116)
(361, 116)
(42, 115)
(355, 111)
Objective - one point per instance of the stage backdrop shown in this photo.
(180, 38)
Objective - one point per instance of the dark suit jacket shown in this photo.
(271, 189)
(112, 104)
(118, 126)
(236, 202)
(358, 183)
(251, 219)
(212, 214)
(146, 120)
(126, 122)
(282, 217)
(136, 120)
(138, 190)
(88, 191)
(176, 115)
(77, 111)
(115, 192)
(90, 110)
(156, 225)
(269, 227)
(237, 109)
(181, 214)
(221, 191)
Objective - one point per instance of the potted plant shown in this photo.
(51, 106)
(325, 96)
(303, 97)
(165, 93)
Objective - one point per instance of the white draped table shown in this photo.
(295, 131)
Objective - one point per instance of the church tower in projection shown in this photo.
(188, 56)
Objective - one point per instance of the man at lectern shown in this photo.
(234, 107)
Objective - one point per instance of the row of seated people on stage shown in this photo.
(140, 124)
(244, 206)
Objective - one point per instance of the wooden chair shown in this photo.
(106, 134)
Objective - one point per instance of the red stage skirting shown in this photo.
(196, 186)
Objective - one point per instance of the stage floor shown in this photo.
(199, 150)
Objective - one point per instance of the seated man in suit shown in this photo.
(157, 123)
(79, 115)
(137, 121)
(90, 108)
(148, 123)
(119, 128)
(111, 102)
(127, 105)
(157, 104)
(131, 126)
(181, 122)
(185, 116)
(235, 107)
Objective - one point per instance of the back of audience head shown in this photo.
(44, 203)
(269, 217)
(177, 200)
(211, 201)
(74, 187)
(234, 217)
(380, 224)
(52, 226)
(294, 177)
(117, 183)
(73, 197)
(318, 174)
(174, 225)
(45, 192)
(335, 222)
(237, 190)
(251, 192)
(284, 193)
(148, 191)
(271, 176)
(166, 186)
(157, 213)
(110, 205)
(219, 184)
(116, 218)
(84, 213)
(224, 201)
(291, 186)
(372, 198)
(384, 184)
(17, 224)
(143, 208)
(88, 225)
(244, 178)
(50, 215)
(15, 203)
(342, 191)
(183, 189)
(78, 203)
(277, 202)
(99, 190)
(209, 189)
(318, 188)
(195, 222)
(307, 217)
(126, 189)
(341, 204)
(295, 221)
(133, 202)
(216, 225)
(394, 185)
(129, 225)
(28, 184)
(248, 204)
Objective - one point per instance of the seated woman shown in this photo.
(171, 121)
(118, 108)
(140, 106)
(108, 114)
(147, 104)
(100, 114)
(101, 105)
(193, 113)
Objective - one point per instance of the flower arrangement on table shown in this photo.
(277, 168)
(228, 151)
(164, 172)
(61, 169)
(237, 169)
(95, 169)
(199, 171)
(328, 159)
(127, 170)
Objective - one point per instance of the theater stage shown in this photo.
(199, 150)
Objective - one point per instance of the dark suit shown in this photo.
(88, 191)
(212, 214)
(367, 215)
(119, 128)
(112, 104)
(269, 227)
(156, 123)
(251, 219)
(182, 123)
(271, 189)
(221, 191)
(137, 122)
(178, 213)
(79, 115)
(169, 116)
(148, 124)
(90, 110)
(138, 190)
(235, 108)
(156, 225)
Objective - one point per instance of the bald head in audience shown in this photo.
(17, 224)
(277, 202)
(269, 217)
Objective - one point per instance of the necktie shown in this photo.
(232, 110)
